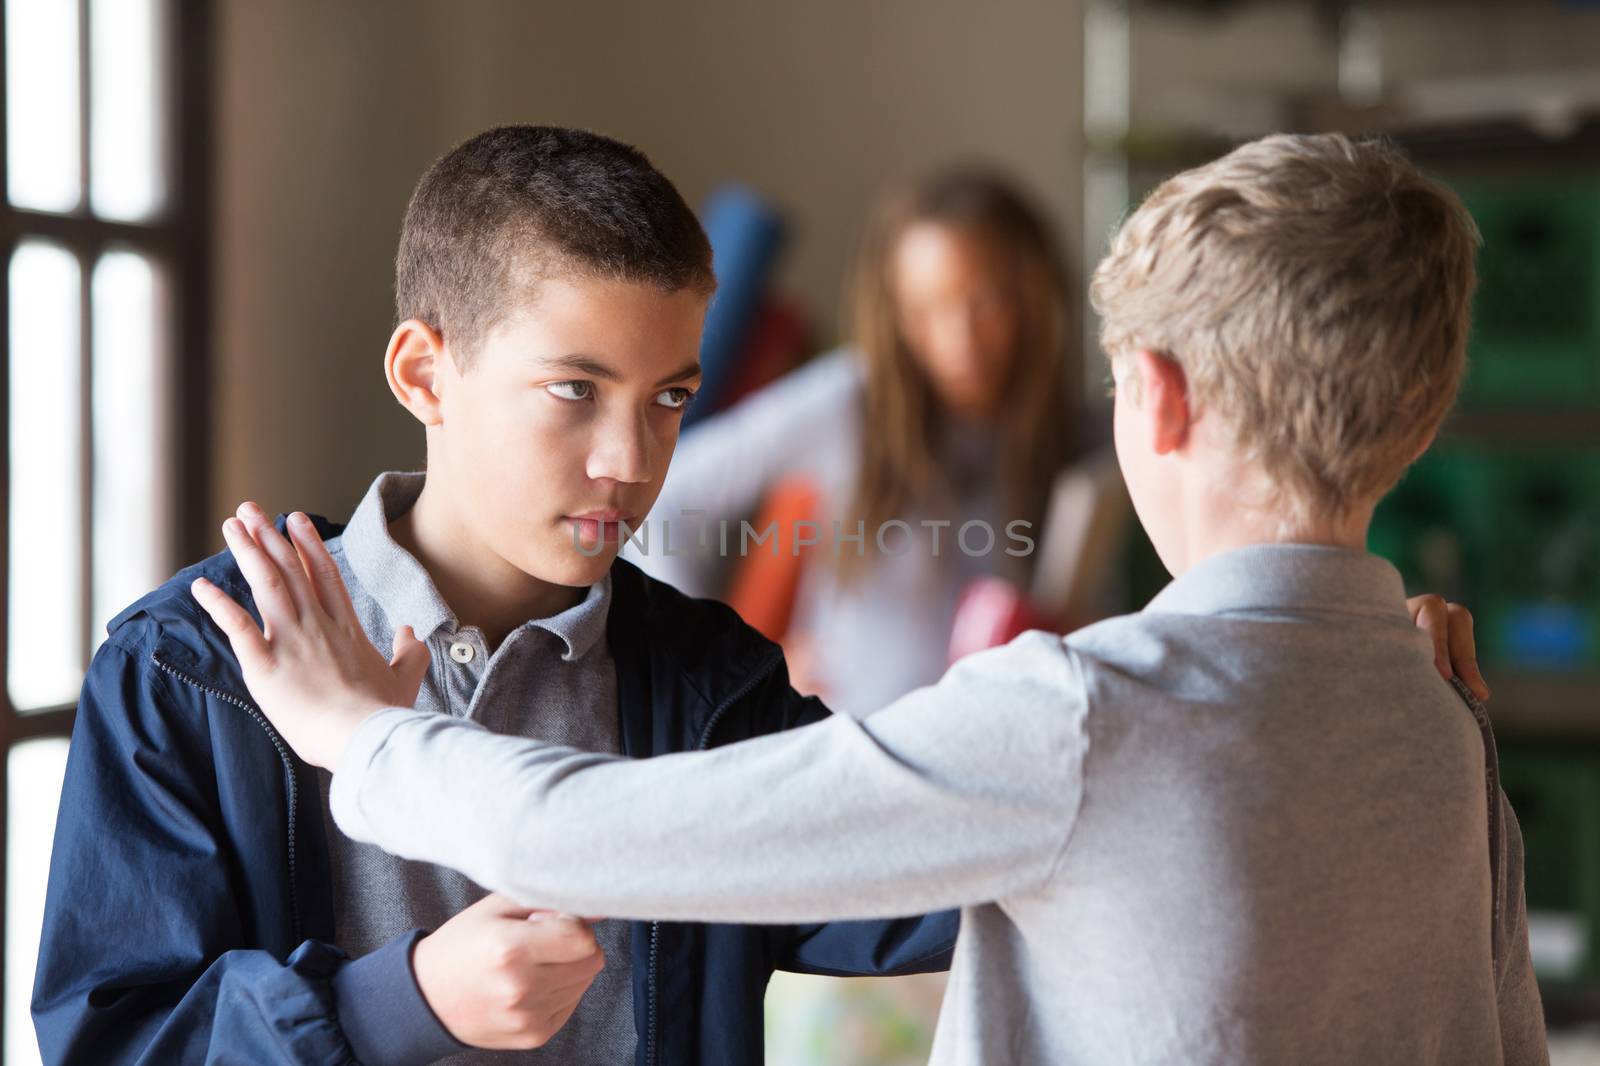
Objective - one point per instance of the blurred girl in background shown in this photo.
(950, 406)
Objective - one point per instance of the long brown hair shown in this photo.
(898, 465)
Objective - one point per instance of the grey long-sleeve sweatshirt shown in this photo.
(1246, 825)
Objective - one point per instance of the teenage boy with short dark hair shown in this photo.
(551, 287)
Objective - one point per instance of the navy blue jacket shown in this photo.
(190, 909)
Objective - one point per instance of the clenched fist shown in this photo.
(499, 975)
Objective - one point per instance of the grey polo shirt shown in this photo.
(552, 679)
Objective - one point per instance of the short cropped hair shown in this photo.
(1316, 291)
(518, 204)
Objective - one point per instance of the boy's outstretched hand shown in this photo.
(313, 672)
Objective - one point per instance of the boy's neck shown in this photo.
(482, 588)
(1220, 522)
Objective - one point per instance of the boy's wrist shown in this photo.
(355, 752)
(340, 727)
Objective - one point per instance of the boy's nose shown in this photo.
(621, 454)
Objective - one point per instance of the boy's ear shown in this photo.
(412, 364)
(1163, 400)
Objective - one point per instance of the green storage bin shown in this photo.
(1420, 527)
(1535, 515)
(1536, 318)
(1515, 535)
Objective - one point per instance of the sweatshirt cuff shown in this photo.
(344, 795)
(383, 1013)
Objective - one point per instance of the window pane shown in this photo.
(44, 628)
(33, 792)
(131, 452)
(127, 175)
(42, 104)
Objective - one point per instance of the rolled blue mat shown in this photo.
(746, 234)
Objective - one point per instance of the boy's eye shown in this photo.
(676, 399)
(571, 390)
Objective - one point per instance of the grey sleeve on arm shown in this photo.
(962, 792)
(1522, 1030)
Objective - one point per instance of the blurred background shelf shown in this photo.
(1540, 706)
(1526, 426)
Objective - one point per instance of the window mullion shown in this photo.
(83, 105)
(86, 261)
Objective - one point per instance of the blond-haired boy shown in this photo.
(1245, 825)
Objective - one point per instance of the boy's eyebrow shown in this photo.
(584, 364)
(688, 373)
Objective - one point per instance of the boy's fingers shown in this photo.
(1432, 617)
(281, 552)
(248, 642)
(266, 581)
(1464, 650)
(559, 940)
(325, 577)
(561, 980)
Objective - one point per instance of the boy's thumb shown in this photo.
(409, 662)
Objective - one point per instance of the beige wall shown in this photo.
(328, 112)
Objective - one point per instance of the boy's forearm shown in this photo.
(921, 807)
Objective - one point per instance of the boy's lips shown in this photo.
(609, 515)
(603, 525)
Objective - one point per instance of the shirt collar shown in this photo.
(390, 574)
(402, 587)
(582, 625)
(1302, 577)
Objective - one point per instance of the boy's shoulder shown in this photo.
(168, 624)
(1163, 664)
(1141, 651)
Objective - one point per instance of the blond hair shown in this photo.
(1316, 291)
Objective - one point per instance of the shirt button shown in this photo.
(461, 651)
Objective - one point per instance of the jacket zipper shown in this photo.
(705, 741)
(740, 693)
(288, 766)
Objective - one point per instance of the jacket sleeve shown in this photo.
(1522, 1030)
(872, 949)
(144, 956)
